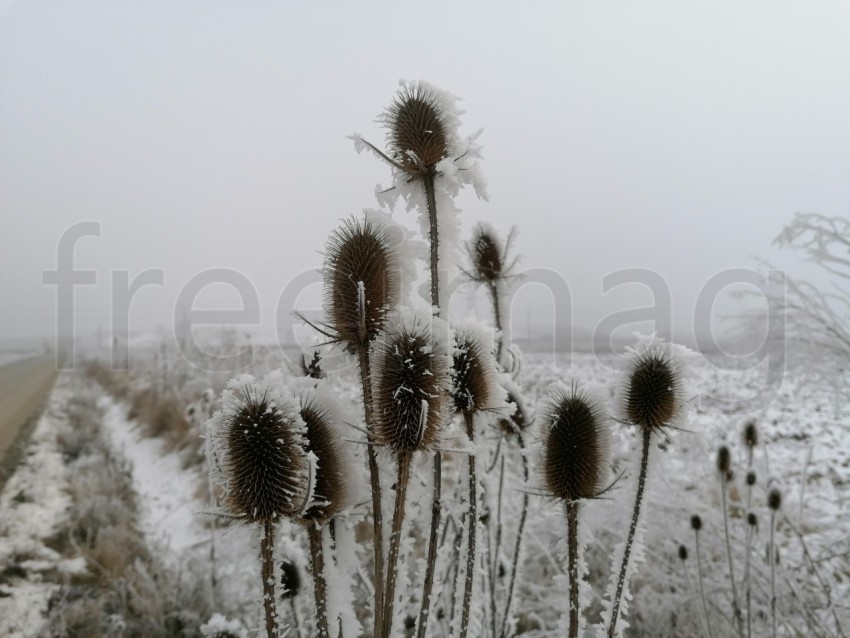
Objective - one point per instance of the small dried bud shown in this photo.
(652, 392)
(473, 375)
(417, 133)
(752, 521)
(683, 553)
(696, 522)
(751, 478)
(361, 280)
(575, 444)
(290, 578)
(774, 499)
(410, 379)
(750, 434)
(724, 461)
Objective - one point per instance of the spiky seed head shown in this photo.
(486, 254)
(752, 521)
(361, 280)
(696, 522)
(652, 397)
(321, 415)
(575, 445)
(473, 375)
(750, 434)
(290, 579)
(774, 499)
(724, 461)
(417, 131)
(751, 478)
(257, 450)
(683, 553)
(410, 382)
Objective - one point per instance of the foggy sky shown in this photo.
(673, 136)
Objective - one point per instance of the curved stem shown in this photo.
(621, 581)
(319, 584)
(267, 574)
(518, 544)
(375, 480)
(404, 459)
(736, 608)
(473, 526)
(572, 566)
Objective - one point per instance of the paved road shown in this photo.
(23, 387)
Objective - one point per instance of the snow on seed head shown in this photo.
(257, 449)
(410, 378)
(361, 280)
(417, 128)
(575, 443)
(652, 393)
(473, 376)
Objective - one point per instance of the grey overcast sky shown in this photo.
(677, 136)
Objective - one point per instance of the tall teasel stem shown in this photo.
(696, 525)
(774, 502)
(575, 450)
(683, 556)
(267, 574)
(723, 469)
(314, 533)
(402, 480)
(750, 436)
(468, 418)
(653, 399)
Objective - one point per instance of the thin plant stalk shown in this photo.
(691, 595)
(747, 579)
(497, 318)
(736, 609)
(621, 580)
(267, 573)
(518, 543)
(572, 565)
(375, 481)
(436, 503)
(472, 528)
(701, 589)
(772, 576)
(494, 563)
(296, 623)
(319, 583)
(404, 460)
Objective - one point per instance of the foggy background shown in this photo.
(674, 136)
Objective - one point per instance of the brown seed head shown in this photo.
(473, 373)
(683, 553)
(409, 383)
(361, 280)
(575, 445)
(696, 522)
(751, 478)
(258, 451)
(290, 579)
(652, 390)
(724, 461)
(750, 434)
(774, 499)
(486, 254)
(417, 131)
(752, 521)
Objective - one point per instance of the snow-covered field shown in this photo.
(804, 449)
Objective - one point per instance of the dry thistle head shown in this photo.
(257, 450)
(409, 382)
(750, 434)
(724, 461)
(652, 397)
(683, 553)
(575, 443)
(485, 253)
(361, 280)
(322, 419)
(752, 521)
(696, 522)
(417, 133)
(751, 478)
(473, 376)
(774, 499)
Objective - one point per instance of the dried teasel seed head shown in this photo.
(683, 553)
(696, 522)
(257, 450)
(486, 254)
(473, 376)
(752, 521)
(652, 397)
(290, 579)
(575, 443)
(774, 499)
(751, 478)
(750, 434)
(361, 280)
(322, 418)
(724, 461)
(417, 134)
(410, 382)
